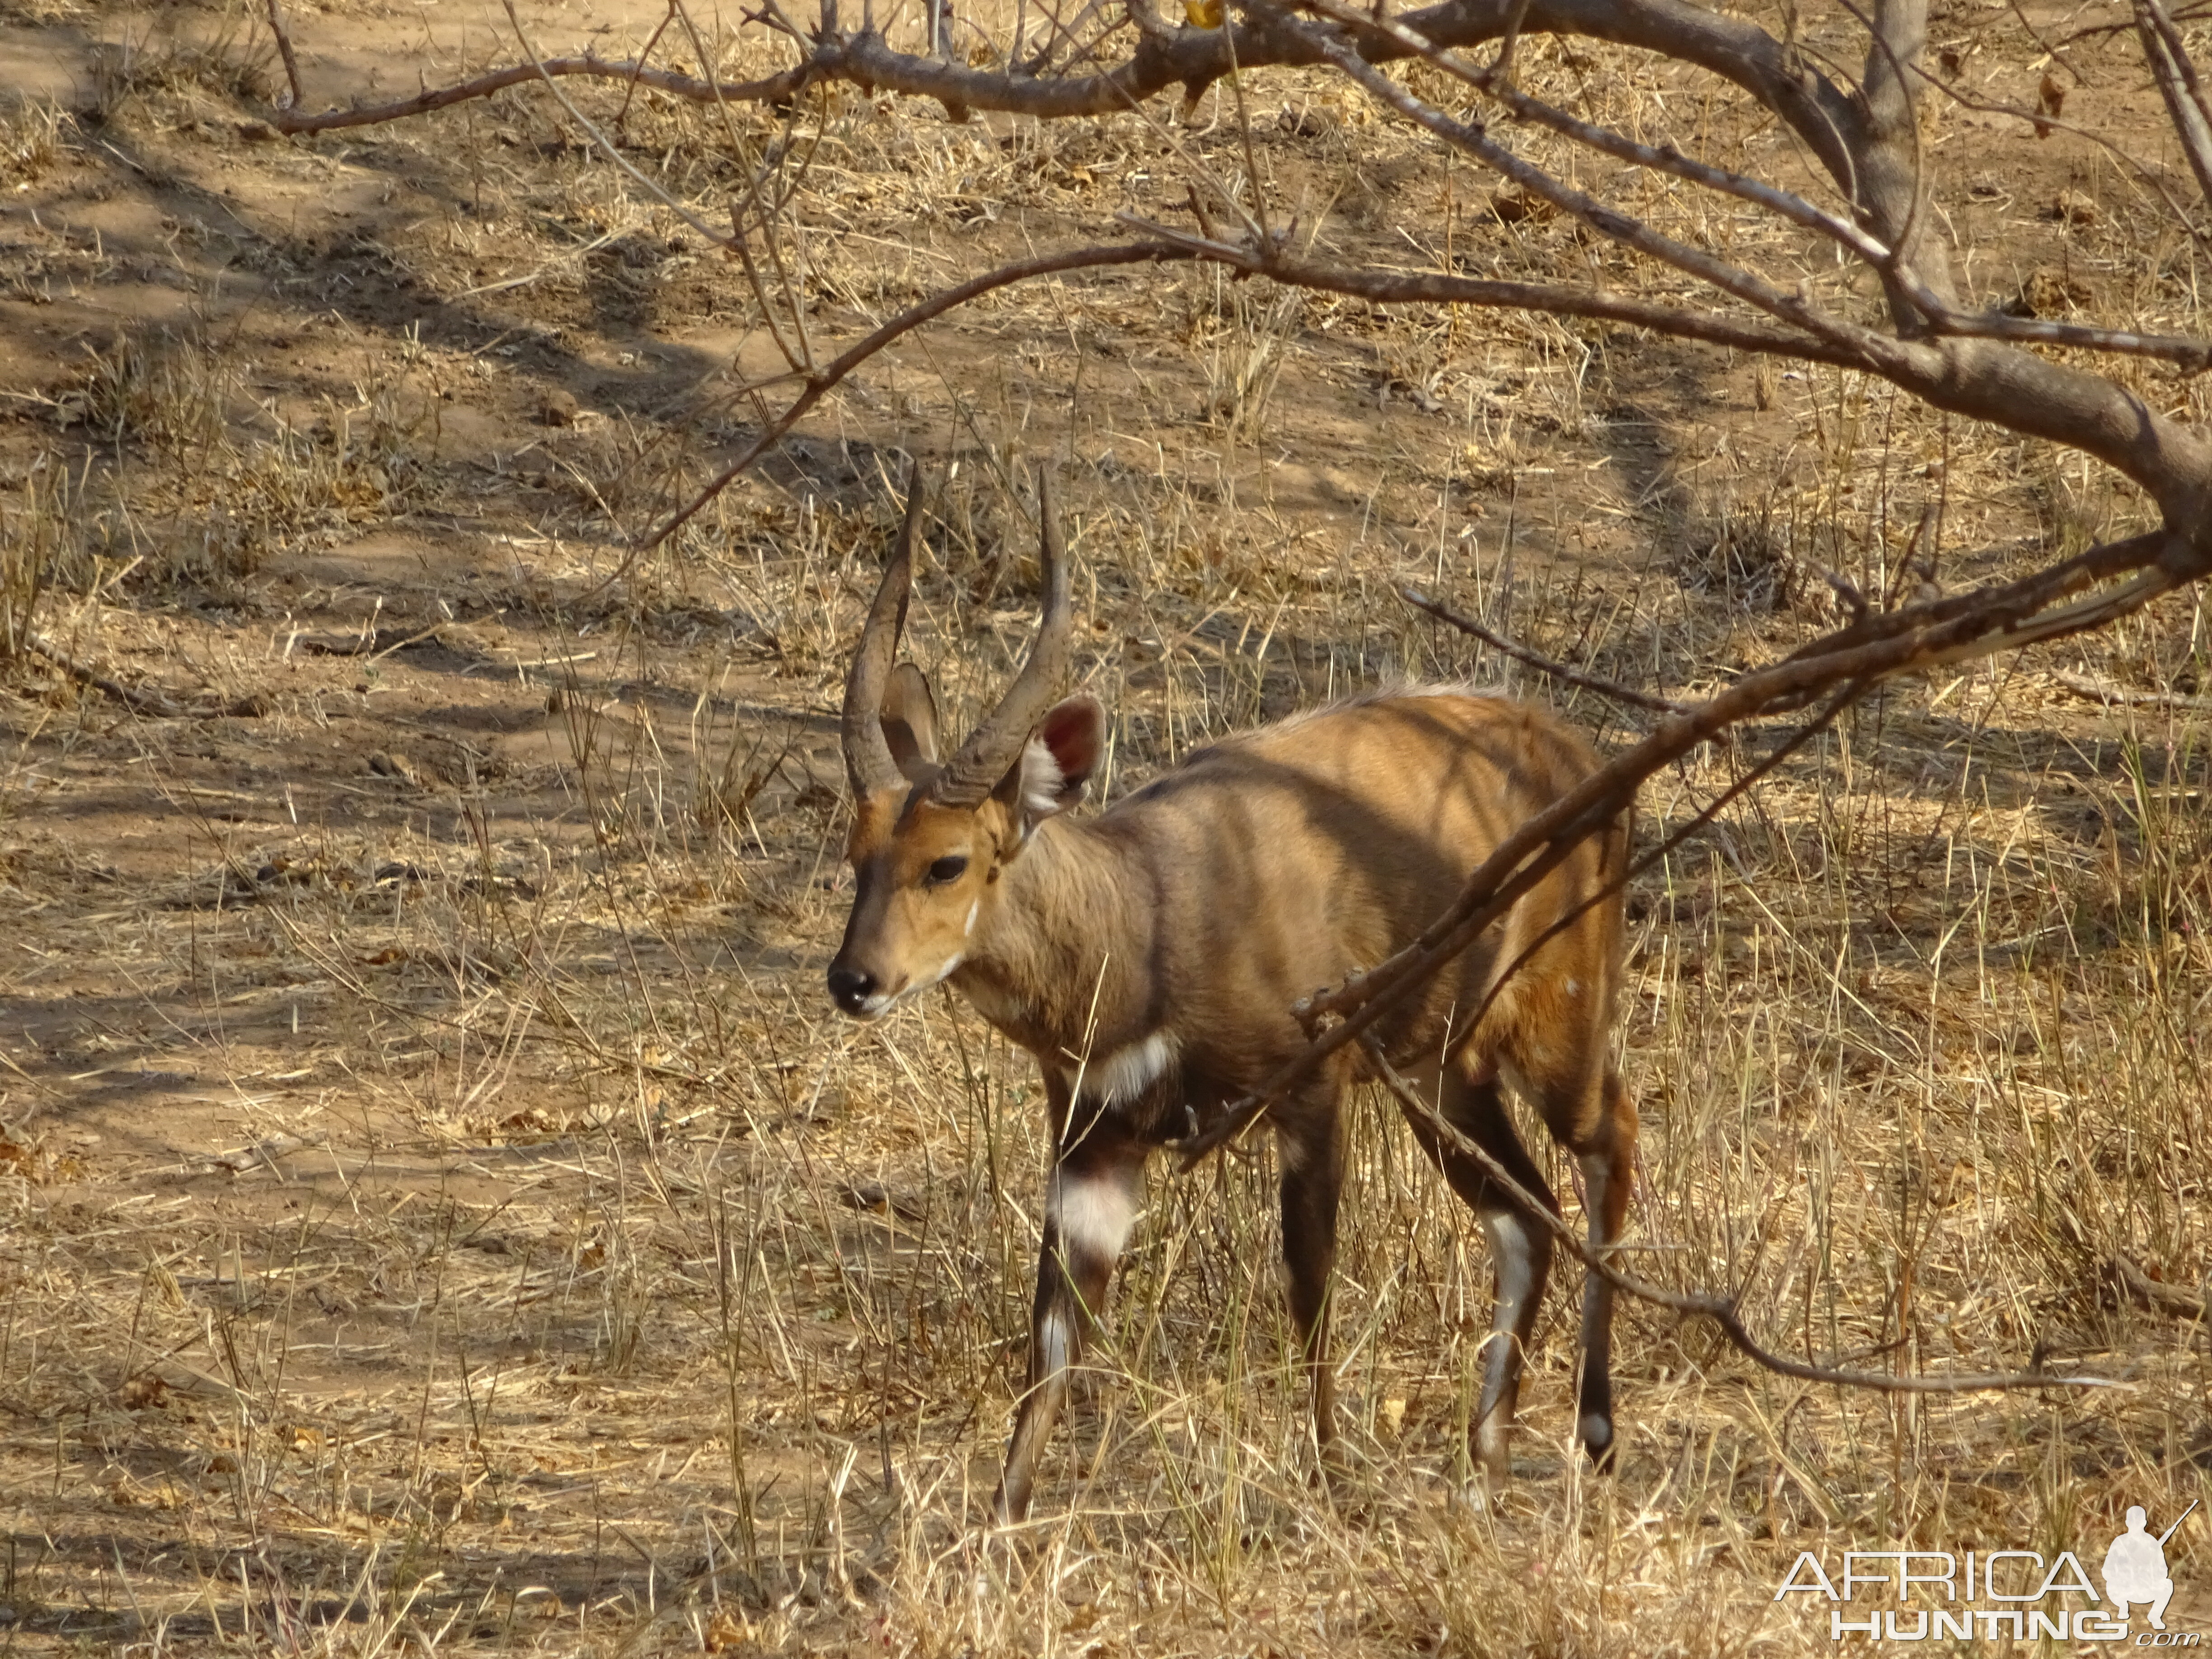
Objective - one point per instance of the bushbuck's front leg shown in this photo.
(1312, 1155)
(1095, 1188)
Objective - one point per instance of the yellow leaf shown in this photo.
(1205, 13)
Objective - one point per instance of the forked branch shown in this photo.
(2051, 604)
(1700, 1305)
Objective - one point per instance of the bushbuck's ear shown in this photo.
(909, 714)
(1057, 762)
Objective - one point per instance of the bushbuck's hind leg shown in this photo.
(1310, 1146)
(1590, 1114)
(1095, 1189)
(1606, 1152)
(1520, 1245)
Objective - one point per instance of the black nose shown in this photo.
(851, 988)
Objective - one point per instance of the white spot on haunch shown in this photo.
(1128, 1072)
(1574, 988)
(1093, 1213)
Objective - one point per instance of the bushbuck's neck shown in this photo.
(1064, 957)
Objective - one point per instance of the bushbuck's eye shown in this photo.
(947, 869)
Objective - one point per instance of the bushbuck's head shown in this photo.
(932, 837)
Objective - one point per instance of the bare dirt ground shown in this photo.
(437, 1209)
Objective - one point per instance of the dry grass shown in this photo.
(440, 1210)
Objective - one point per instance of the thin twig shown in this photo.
(2144, 174)
(277, 27)
(819, 385)
(153, 705)
(1386, 287)
(2175, 72)
(1240, 1118)
(645, 56)
(1704, 817)
(1874, 351)
(1720, 1310)
(1536, 659)
(773, 88)
(2105, 691)
(607, 145)
(1943, 317)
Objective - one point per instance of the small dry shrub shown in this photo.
(163, 403)
(230, 65)
(163, 390)
(1743, 555)
(41, 546)
(30, 140)
(1245, 357)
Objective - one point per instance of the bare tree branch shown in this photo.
(1722, 1310)
(1795, 309)
(284, 50)
(818, 385)
(1939, 315)
(2145, 174)
(1564, 672)
(1385, 287)
(2167, 55)
(1878, 647)
(1822, 115)
(1966, 369)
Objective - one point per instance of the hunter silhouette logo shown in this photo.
(2135, 1568)
(1946, 1596)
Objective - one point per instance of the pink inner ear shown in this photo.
(1072, 732)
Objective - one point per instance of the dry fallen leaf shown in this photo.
(2050, 99)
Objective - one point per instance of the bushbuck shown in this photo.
(1149, 957)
